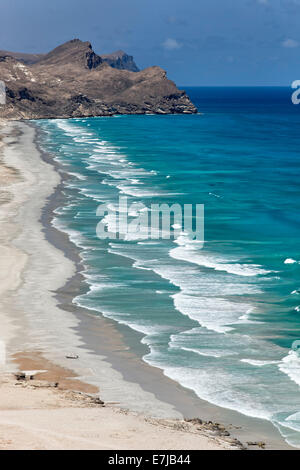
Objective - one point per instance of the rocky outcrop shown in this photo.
(81, 53)
(120, 60)
(73, 81)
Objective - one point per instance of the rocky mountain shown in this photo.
(27, 59)
(77, 52)
(73, 81)
(120, 60)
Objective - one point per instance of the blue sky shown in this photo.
(198, 42)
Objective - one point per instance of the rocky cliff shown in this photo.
(73, 81)
(120, 60)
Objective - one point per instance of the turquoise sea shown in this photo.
(221, 319)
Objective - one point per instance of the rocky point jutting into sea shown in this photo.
(73, 81)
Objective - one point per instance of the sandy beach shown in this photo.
(44, 413)
(141, 408)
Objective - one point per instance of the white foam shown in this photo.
(78, 176)
(294, 422)
(191, 255)
(246, 317)
(67, 127)
(145, 329)
(148, 243)
(200, 352)
(290, 365)
(290, 261)
(221, 393)
(258, 363)
(138, 192)
(212, 313)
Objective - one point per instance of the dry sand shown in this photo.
(45, 413)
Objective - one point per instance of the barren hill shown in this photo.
(73, 81)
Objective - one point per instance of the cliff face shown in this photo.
(73, 81)
(120, 60)
(75, 51)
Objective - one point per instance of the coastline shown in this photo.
(49, 275)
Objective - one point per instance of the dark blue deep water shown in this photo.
(219, 319)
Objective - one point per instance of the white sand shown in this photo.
(44, 418)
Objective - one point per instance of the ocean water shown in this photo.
(219, 319)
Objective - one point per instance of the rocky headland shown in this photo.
(73, 81)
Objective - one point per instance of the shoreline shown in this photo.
(121, 375)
